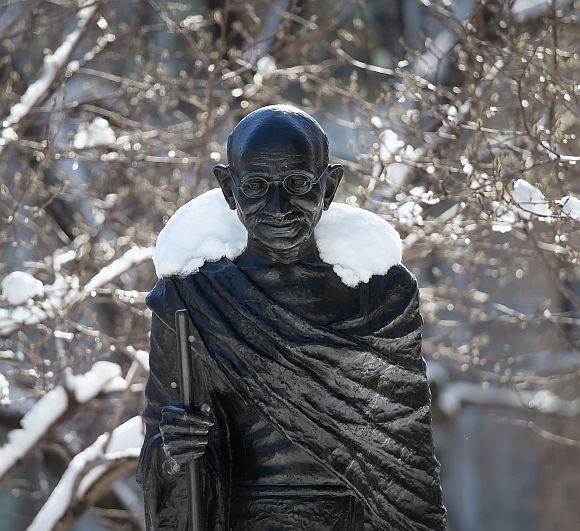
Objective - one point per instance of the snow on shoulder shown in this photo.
(356, 242)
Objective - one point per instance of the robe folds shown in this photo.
(350, 396)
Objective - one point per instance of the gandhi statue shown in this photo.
(312, 404)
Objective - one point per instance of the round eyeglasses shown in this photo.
(297, 183)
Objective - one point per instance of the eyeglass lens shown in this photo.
(294, 184)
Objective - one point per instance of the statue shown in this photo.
(312, 408)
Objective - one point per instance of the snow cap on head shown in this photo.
(356, 242)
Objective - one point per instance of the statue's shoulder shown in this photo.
(358, 243)
(165, 299)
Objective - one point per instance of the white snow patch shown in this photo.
(454, 395)
(134, 256)
(527, 9)
(34, 425)
(571, 206)
(356, 242)
(43, 415)
(141, 356)
(19, 286)
(202, 230)
(530, 199)
(409, 213)
(88, 385)
(4, 389)
(125, 442)
(393, 152)
(265, 69)
(94, 134)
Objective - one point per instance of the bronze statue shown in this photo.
(312, 408)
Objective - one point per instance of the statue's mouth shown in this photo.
(279, 222)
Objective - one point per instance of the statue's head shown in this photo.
(278, 178)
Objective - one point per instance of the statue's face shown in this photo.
(278, 190)
(278, 219)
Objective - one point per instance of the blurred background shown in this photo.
(455, 121)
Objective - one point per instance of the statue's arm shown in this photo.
(173, 436)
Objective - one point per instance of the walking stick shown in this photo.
(185, 369)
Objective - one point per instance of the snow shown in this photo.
(454, 395)
(526, 9)
(132, 257)
(409, 213)
(94, 134)
(65, 290)
(34, 425)
(125, 442)
(53, 63)
(356, 242)
(265, 69)
(4, 389)
(141, 356)
(571, 206)
(88, 385)
(530, 199)
(19, 286)
(46, 412)
(391, 146)
(204, 229)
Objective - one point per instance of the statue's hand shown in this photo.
(185, 435)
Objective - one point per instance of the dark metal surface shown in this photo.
(187, 401)
(319, 390)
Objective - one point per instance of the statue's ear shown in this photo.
(222, 174)
(334, 174)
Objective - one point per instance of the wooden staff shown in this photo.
(185, 369)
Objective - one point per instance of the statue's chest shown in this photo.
(315, 293)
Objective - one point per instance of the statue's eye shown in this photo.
(297, 184)
(255, 187)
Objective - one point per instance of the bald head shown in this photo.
(280, 128)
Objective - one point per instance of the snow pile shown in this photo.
(571, 206)
(205, 229)
(393, 148)
(96, 133)
(409, 213)
(102, 377)
(133, 256)
(528, 9)
(456, 394)
(66, 290)
(18, 287)
(530, 199)
(125, 442)
(4, 389)
(356, 242)
(265, 69)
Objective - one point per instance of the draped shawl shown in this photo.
(353, 394)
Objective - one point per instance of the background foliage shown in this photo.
(456, 121)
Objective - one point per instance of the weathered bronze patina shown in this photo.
(319, 408)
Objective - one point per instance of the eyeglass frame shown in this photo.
(239, 186)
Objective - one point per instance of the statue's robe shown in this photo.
(320, 397)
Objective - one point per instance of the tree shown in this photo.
(459, 128)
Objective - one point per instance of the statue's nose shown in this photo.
(276, 205)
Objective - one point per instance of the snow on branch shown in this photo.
(54, 407)
(13, 318)
(87, 469)
(453, 396)
(53, 64)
